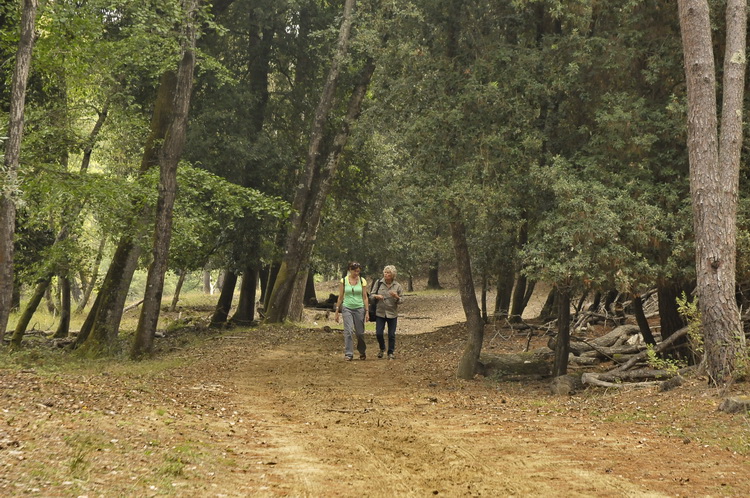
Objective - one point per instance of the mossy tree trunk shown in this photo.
(28, 311)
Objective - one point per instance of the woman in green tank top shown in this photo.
(353, 306)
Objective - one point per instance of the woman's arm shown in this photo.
(366, 300)
(339, 301)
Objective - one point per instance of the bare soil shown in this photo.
(276, 411)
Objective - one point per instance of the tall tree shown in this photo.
(100, 329)
(315, 181)
(169, 158)
(469, 361)
(12, 158)
(714, 175)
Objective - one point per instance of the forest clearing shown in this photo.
(275, 411)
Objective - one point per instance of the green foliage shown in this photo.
(208, 211)
(580, 239)
(669, 365)
(689, 310)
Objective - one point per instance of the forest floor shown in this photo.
(276, 411)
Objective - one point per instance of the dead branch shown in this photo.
(611, 352)
(589, 378)
(134, 305)
(363, 410)
(641, 374)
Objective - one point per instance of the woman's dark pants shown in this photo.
(380, 328)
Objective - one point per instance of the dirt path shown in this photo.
(277, 412)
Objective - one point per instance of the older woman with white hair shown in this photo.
(388, 295)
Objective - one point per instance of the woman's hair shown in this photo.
(354, 265)
(391, 269)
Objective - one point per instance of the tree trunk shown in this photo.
(75, 290)
(28, 312)
(609, 300)
(51, 308)
(317, 178)
(562, 343)
(221, 313)
(297, 301)
(433, 282)
(505, 281)
(245, 313)
(12, 158)
(63, 328)
(91, 282)
(15, 302)
(640, 318)
(519, 292)
(310, 294)
(93, 136)
(485, 315)
(714, 176)
(178, 289)
(550, 306)
(87, 326)
(263, 276)
(670, 320)
(530, 286)
(207, 282)
(579, 306)
(596, 302)
(469, 363)
(272, 274)
(110, 301)
(169, 160)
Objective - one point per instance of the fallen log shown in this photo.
(592, 318)
(580, 345)
(614, 352)
(583, 361)
(518, 364)
(639, 375)
(591, 379)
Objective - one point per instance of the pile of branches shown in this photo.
(631, 356)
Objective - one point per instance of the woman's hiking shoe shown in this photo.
(363, 357)
(391, 356)
(380, 354)
(348, 358)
